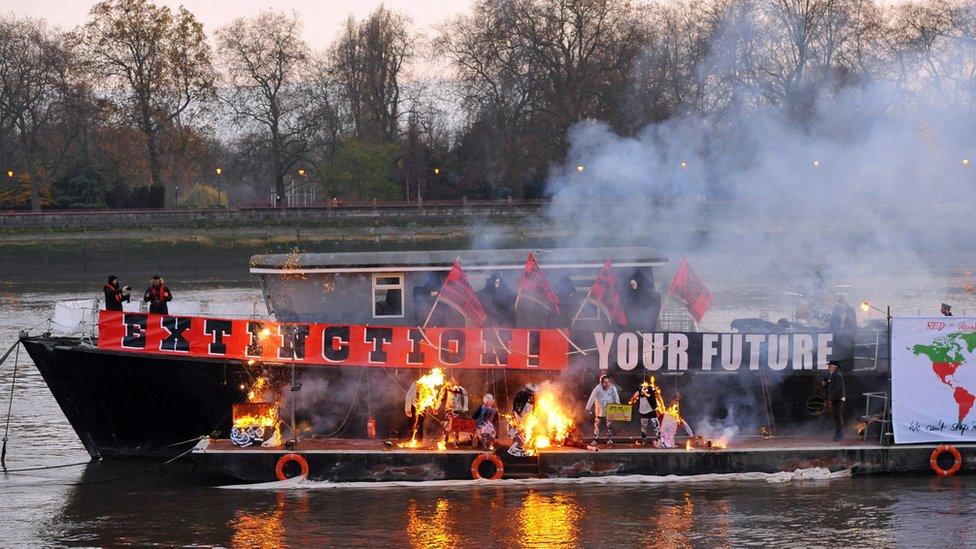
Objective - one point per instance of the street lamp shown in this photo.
(580, 168)
(437, 171)
(219, 194)
(10, 174)
(301, 172)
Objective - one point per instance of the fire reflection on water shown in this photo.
(432, 527)
(267, 529)
(550, 520)
(259, 529)
(673, 523)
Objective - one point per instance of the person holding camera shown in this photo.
(158, 295)
(115, 295)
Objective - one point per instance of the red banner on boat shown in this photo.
(331, 344)
(690, 289)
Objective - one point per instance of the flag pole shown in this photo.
(432, 307)
(580, 309)
(570, 341)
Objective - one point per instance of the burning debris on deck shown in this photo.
(256, 421)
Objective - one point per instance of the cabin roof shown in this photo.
(442, 260)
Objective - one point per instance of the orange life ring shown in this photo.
(499, 468)
(934, 460)
(287, 458)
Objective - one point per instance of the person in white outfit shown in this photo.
(603, 394)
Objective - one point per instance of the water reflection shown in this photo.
(672, 525)
(549, 520)
(431, 526)
(259, 529)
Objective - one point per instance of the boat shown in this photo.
(346, 333)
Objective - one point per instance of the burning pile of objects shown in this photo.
(255, 421)
(701, 443)
(547, 423)
(426, 395)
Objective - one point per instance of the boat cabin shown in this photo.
(399, 288)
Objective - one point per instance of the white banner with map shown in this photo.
(933, 379)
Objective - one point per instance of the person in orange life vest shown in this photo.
(158, 295)
(115, 294)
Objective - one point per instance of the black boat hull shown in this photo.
(124, 404)
(128, 405)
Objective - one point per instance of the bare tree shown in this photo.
(264, 60)
(157, 60)
(368, 60)
(32, 64)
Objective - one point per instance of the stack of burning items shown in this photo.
(540, 417)
(256, 421)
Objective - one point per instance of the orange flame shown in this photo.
(256, 392)
(547, 423)
(430, 392)
(441, 446)
(688, 444)
(266, 419)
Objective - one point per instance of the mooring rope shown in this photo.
(138, 473)
(10, 404)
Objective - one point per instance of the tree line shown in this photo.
(141, 105)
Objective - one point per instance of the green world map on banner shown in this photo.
(946, 354)
(933, 379)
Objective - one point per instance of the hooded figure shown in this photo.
(641, 302)
(569, 299)
(424, 296)
(498, 301)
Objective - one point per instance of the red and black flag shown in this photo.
(605, 295)
(690, 290)
(459, 295)
(535, 287)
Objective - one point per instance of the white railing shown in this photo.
(79, 318)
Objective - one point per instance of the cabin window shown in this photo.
(388, 295)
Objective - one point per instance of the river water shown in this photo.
(112, 504)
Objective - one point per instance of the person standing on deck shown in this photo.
(834, 383)
(115, 294)
(158, 295)
(603, 394)
(946, 309)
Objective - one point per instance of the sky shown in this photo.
(322, 18)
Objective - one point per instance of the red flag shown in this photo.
(604, 292)
(458, 293)
(690, 289)
(535, 286)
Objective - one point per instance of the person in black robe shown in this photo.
(498, 301)
(424, 297)
(641, 302)
(569, 299)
